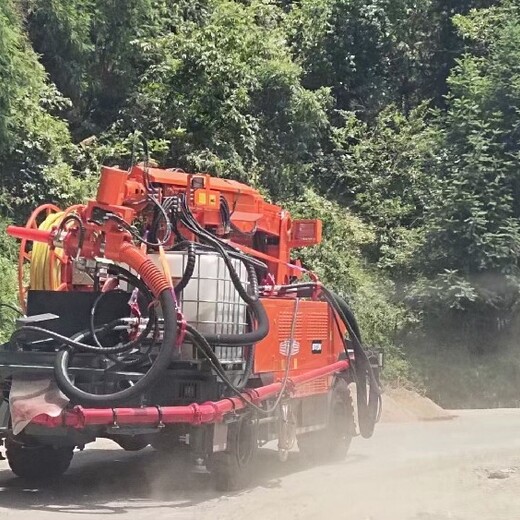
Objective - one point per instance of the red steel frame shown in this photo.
(195, 414)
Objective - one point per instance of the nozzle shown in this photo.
(36, 235)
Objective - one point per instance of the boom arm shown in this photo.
(225, 208)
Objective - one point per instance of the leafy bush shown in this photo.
(339, 263)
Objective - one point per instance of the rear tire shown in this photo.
(233, 469)
(37, 462)
(333, 442)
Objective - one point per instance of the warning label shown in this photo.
(316, 346)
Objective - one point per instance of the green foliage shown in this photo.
(339, 263)
(8, 281)
(456, 378)
(386, 173)
(227, 96)
(35, 144)
(469, 255)
(88, 48)
(374, 53)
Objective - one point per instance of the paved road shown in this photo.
(464, 469)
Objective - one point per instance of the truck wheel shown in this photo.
(232, 469)
(37, 462)
(333, 442)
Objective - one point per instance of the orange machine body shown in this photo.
(243, 347)
(260, 229)
(317, 339)
(249, 213)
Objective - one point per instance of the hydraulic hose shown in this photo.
(159, 286)
(154, 373)
(252, 300)
(248, 338)
(190, 265)
(255, 306)
(137, 283)
(257, 311)
(368, 406)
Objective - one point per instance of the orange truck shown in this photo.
(169, 312)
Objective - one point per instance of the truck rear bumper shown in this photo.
(194, 414)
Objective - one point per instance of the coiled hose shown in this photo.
(160, 288)
(151, 324)
(154, 373)
(45, 266)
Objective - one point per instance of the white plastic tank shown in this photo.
(210, 301)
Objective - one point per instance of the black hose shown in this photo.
(248, 338)
(98, 348)
(12, 307)
(190, 267)
(252, 300)
(158, 367)
(64, 340)
(257, 311)
(247, 260)
(81, 227)
(253, 280)
(368, 406)
(135, 234)
(223, 248)
(137, 283)
(225, 215)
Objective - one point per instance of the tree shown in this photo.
(385, 173)
(378, 52)
(472, 236)
(227, 97)
(34, 144)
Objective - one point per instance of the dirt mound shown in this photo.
(402, 405)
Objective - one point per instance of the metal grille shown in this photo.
(318, 323)
(317, 386)
(230, 354)
(210, 301)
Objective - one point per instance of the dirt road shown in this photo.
(467, 468)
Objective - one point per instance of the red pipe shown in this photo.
(36, 235)
(195, 414)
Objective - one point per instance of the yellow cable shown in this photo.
(165, 266)
(45, 276)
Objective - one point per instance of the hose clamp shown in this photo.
(160, 424)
